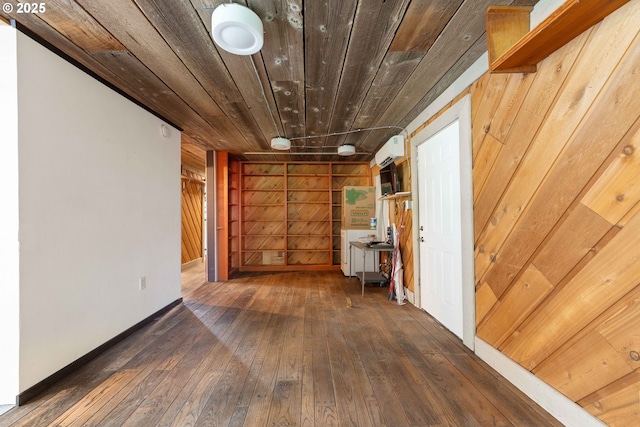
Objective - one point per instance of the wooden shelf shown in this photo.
(306, 202)
(513, 48)
(397, 195)
(314, 188)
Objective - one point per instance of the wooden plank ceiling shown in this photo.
(326, 67)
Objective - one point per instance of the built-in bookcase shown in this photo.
(234, 216)
(289, 213)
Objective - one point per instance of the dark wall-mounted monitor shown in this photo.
(389, 180)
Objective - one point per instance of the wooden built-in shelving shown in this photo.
(234, 221)
(512, 47)
(398, 195)
(290, 213)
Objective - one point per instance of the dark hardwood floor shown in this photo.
(284, 349)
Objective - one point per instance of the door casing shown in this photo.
(461, 111)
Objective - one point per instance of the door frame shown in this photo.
(461, 111)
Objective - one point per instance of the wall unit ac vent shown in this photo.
(392, 150)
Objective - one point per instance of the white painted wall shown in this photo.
(10, 280)
(99, 208)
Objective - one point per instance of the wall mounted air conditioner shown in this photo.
(392, 150)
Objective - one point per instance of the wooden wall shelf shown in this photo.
(397, 195)
(513, 48)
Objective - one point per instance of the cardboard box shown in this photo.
(358, 207)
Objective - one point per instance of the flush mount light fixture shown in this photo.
(280, 143)
(236, 29)
(346, 150)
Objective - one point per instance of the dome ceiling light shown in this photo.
(236, 29)
(280, 143)
(346, 150)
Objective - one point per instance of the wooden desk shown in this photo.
(371, 276)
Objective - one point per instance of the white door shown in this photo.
(440, 227)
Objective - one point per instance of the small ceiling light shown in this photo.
(280, 143)
(346, 150)
(236, 29)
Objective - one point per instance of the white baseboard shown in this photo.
(554, 402)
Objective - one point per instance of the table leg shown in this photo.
(350, 261)
(364, 268)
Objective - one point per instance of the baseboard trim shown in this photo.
(550, 399)
(38, 388)
(192, 262)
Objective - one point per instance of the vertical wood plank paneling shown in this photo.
(483, 163)
(518, 302)
(547, 82)
(584, 367)
(573, 102)
(485, 300)
(598, 354)
(515, 93)
(590, 145)
(492, 96)
(406, 251)
(557, 217)
(618, 404)
(609, 276)
(571, 241)
(618, 190)
(191, 221)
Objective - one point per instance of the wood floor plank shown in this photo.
(62, 397)
(253, 378)
(96, 398)
(125, 402)
(514, 405)
(284, 349)
(365, 334)
(307, 413)
(225, 393)
(193, 398)
(351, 405)
(324, 398)
(444, 380)
(262, 396)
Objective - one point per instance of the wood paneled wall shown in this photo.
(192, 197)
(557, 217)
